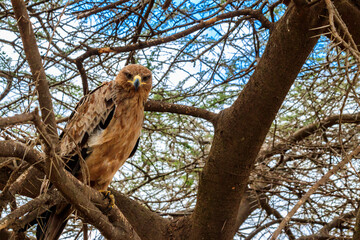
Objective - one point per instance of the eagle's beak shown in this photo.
(136, 82)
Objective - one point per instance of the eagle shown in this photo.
(103, 131)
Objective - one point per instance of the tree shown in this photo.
(251, 123)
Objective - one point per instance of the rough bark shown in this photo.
(159, 106)
(350, 14)
(250, 202)
(147, 224)
(150, 225)
(241, 129)
(35, 62)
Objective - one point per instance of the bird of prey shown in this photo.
(104, 131)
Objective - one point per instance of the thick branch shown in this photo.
(28, 207)
(350, 14)
(83, 75)
(17, 119)
(15, 149)
(242, 128)
(147, 224)
(160, 106)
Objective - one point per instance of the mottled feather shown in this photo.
(92, 110)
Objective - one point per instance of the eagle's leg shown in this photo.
(107, 194)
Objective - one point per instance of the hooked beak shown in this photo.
(136, 82)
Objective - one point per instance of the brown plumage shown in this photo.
(104, 131)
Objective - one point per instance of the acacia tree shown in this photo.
(213, 163)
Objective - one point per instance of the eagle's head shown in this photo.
(135, 78)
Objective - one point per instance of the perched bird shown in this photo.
(104, 131)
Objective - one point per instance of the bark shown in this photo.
(15, 149)
(17, 119)
(249, 203)
(34, 59)
(159, 106)
(241, 129)
(350, 14)
(147, 224)
(150, 225)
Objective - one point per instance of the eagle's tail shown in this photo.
(52, 222)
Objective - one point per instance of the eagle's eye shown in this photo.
(128, 76)
(145, 78)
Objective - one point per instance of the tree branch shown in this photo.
(34, 59)
(80, 67)
(147, 224)
(8, 85)
(11, 148)
(97, 9)
(324, 231)
(202, 24)
(304, 198)
(306, 131)
(350, 14)
(17, 119)
(242, 128)
(159, 106)
(28, 207)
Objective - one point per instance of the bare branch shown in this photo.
(83, 75)
(242, 128)
(35, 62)
(201, 25)
(324, 178)
(97, 9)
(17, 119)
(308, 130)
(159, 106)
(8, 85)
(28, 207)
(22, 151)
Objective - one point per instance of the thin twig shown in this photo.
(324, 178)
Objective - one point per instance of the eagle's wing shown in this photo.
(94, 111)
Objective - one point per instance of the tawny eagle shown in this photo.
(103, 130)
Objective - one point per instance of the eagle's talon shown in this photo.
(107, 194)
